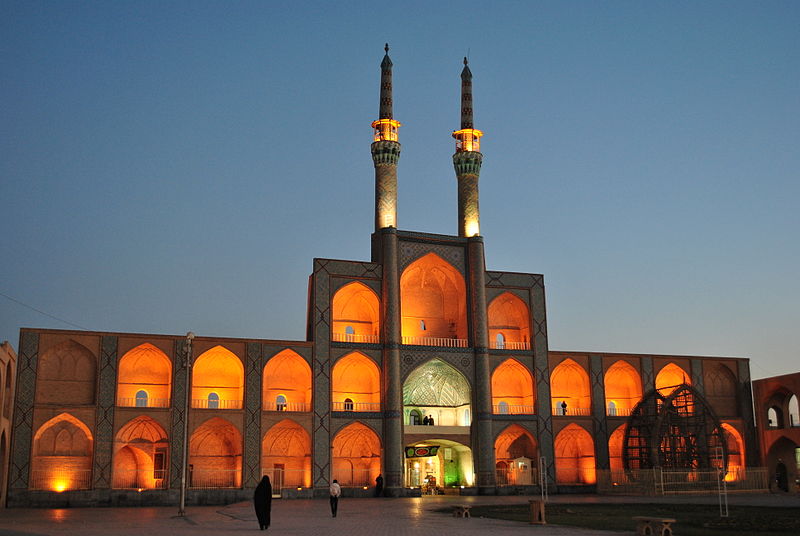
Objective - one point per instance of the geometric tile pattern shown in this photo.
(252, 415)
(697, 376)
(599, 411)
(411, 251)
(178, 413)
(22, 432)
(746, 409)
(104, 428)
(648, 380)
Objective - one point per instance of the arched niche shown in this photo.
(356, 455)
(215, 455)
(669, 377)
(569, 383)
(144, 368)
(217, 380)
(437, 389)
(287, 375)
(356, 384)
(623, 388)
(140, 455)
(720, 390)
(735, 447)
(794, 412)
(516, 453)
(433, 303)
(62, 455)
(575, 463)
(356, 314)
(512, 388)
(615, 442)
(509, 323)
(66, 375)
(286, 455)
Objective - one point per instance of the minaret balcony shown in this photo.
(445, 342)
(386, 130)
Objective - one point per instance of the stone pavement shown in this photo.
(372, 517)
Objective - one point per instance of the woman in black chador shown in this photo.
(262, 499)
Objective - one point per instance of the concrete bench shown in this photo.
(461, 511)
(653, 526)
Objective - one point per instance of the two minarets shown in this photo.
(386, 153)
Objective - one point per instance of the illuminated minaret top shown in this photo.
(385, 152)
(468, 138)
(385, 126)
(467, 161)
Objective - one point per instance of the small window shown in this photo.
(773, 419)
(503, 407)
(213, 401)
(612, 408)
(349, 331)
(280, 403)
(141, 399)
(466, 417)
(415, 417)
(348, 404)
(422, 325)
(501, 341)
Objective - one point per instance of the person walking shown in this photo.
(262, 500)
(335, 490)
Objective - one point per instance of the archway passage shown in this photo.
(670, 377)
(356, 384)
(783, 463)
(144, 369)
(287, 375)
(516, 454)
(435, 464)
(720, 390)
(512, 389)
(623, 388)
(509, 323)
(433, 303)
(140, 455)
(356, 314)
(217, 380)
(66, 375)
(436, 389)
(215, 455)
(62, 455)
(569, 389)
(575, 463)
(356, 456)
(286, 455)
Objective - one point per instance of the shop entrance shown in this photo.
(436, 465)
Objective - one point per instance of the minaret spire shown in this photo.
(385, 111)
(385, 151)
(467, 161)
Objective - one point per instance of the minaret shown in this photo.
(467, 161)
(385, 152)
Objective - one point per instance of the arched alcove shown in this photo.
(569, 384)
(720, 390)
(356, 314)
(356, 455)
(615, 443)
(220, 373)
(356, 378)
(433, 303)
(575, 462)
(140, 455)
(512, 388)
(623, 388)
(286, 455)
(66, 375)
(287, 375)
(794, 412)
(509, 323)
(62, 455)
(670, 377)
(144, 369)
(735, 447)
(215, 455)
(437, 389)
(516, 453)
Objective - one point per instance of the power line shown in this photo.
(42, 312)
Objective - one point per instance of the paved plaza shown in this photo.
(372, 517)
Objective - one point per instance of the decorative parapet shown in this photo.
(385, 152)
(467, 163)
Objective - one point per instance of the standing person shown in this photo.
(430, 420)
(262, 500)
(563, 407)
(379, 486)
(425, 421)
(335, 490)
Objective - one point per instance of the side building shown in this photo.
(778, 415)
(8, 369)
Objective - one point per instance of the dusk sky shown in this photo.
(169, 166)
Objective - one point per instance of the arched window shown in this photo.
(500, 341)
(144, 368)
(569, 389)
(348, 404)
(221, 372)
(280, 403)
(356, 314)
(512, 383)
(356, 378)
(503, 407)
(623, 388)
(141, 399)
(508, 314)
(415, 417)
(774, 417)
(213, 401)
(794, 412)
(612, 408)
(287, 374)
(349, 330)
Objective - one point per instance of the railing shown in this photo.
(215, 478)
(557, 410)
(205, 403)
(287, 478)
(128, 402)
(436, 341)
(509, 345)
(356, 406)
(286, 406)
(352, 337)
(512, 409)
(618, 412)
(656, 481)
(511, 477)
(136, 479)
(60, 479)
(355, 478)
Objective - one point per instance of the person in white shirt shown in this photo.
(336, 490)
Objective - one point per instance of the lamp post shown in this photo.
(185, 455)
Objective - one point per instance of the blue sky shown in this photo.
(167, 167)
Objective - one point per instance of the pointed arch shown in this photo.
(512, 384)
(438, 389)
(575, 463)
(219, 372)
(515, 454)
(144, 368)
(433, 294)
(287, 375)
(62, 455)
(215, 455)
(794, 412)
(140, 455)
(356, 314)
(669, 377)
(615, 442)
(569, 383)
(720, 387)
(356, 377)
(66, 375)
(735, 448)
(509, 322)
(623, 388)
(286, 453)
(356, 455)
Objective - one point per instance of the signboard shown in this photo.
(421, 452)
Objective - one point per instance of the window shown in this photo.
(141, 399)
(415, 417)
(350, 331)
(503, 407)
(501, 341)
(422, 325)
(213, 401)
(612, 408)
(773, 419)
(280, 403)
(348, 404)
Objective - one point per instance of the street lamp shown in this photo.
(184, 463)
